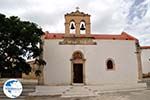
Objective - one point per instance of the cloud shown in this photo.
(137, 20)
(137, 11)
(107, 16)
(42, 18)
(49, 12)
(12, 5)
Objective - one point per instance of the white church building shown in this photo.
(79, 56)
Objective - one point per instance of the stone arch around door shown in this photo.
(78, 68)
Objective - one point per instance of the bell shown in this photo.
(82, 27)
(72, 26)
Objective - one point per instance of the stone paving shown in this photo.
(124, 95)
(89, 90)
(127, 95)
(110, 92)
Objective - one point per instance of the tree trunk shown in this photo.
(41, 67)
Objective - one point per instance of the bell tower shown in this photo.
(77, 29)
(77, 23)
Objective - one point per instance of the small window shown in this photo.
(110, 64)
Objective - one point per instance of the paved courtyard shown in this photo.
(127, 95)
(112, 92)
(124, 95)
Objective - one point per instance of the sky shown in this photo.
(107, 16)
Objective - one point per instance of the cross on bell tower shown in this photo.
(77, 8)
(77, 21)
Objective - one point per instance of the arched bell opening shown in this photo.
(82, 27)
(72, 27)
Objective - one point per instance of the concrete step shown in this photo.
(27, 88)
(49, 90)
(25, 91)
(78, 91)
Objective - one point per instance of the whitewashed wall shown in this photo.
(58, 68)
(145, 56)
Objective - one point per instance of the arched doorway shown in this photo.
(78, 63)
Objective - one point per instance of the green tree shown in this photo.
(19, 40)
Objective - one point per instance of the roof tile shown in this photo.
(123, 36)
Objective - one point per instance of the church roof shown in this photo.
(145, 47)
(122, 36)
